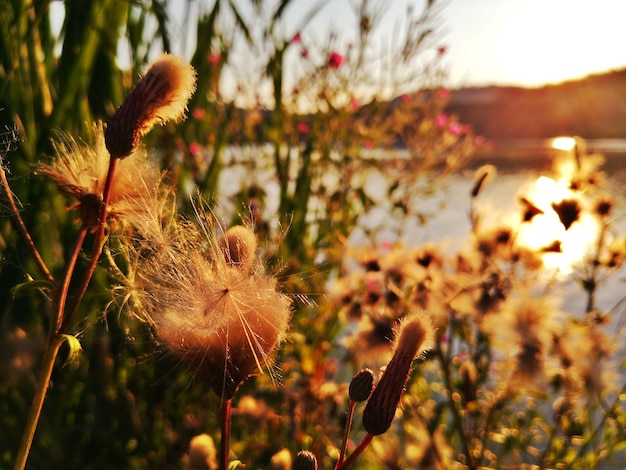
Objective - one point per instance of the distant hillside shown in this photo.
(593, 107)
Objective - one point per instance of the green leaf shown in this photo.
(31, 284)
(74, 345)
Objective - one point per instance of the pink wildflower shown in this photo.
(335, 60)
(303, 127)
(195, 148)
(198, 113)
(441, 120)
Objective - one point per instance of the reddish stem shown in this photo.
(225, 443)
(357, 452)
(22, 228)
(98, 241)
(346, 434)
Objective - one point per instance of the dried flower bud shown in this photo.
(414, 338)
(239, 246)
(305, 460)
(361, 385)
(568, 211)
(482, 176)
(202, 454)
(160, 96)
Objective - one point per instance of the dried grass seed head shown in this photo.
(161, 95)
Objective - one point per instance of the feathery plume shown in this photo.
(222, 320)
(160, 96)
(80, 171)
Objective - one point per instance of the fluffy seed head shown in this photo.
(224, 322)
(80, 170)
(160, 96)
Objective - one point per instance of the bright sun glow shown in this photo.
(563, 143)
(546, 229)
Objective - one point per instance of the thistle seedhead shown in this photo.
(224, 322)
(415, 336)
(80, 170)
(160, 96)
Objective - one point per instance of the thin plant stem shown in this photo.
(98, 241)
(52, 349)
(225, 442)
(455, 412)
(35, 409)
(357, 452)
(346, 434)
(23, 230)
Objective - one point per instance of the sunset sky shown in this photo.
(518, 42)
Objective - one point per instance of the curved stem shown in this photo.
(357, 452)
(23, 230)
(225, 443)
(35, 409)
(69, 271)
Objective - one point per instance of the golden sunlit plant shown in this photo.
(249, 308)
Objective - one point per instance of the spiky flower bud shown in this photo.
(361, 385)
(160, 96)
(414, 338)
(239, 246)
(305, 460)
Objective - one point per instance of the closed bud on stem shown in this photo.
(238, 246)
(361, 385)
(305, 460)
(160, 96)
(414, 338)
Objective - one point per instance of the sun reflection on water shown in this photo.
(562, 247)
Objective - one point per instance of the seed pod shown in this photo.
(361, 385)
(414, 337)
(160, 96)
(305, 460)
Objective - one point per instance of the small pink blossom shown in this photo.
(404, 98)
(303, 127)
(296, 38)
(441, 120)
(456, 128)
(195, 148)
(386, 245)
(335, 60)
(443, 93)
(215, 58)
(369, 144)
(354, 104)
(198, 113)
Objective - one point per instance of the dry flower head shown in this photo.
(161, 95)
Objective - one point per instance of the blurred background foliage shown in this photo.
(281, 127)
